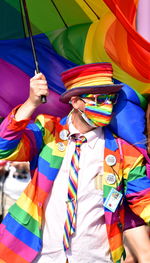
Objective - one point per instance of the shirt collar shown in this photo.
(91, 136)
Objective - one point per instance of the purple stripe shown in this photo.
(18, 247)
(44, 183)
(136, 194)
(111, 218)
(15, 82)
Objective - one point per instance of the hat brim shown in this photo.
(102, 89)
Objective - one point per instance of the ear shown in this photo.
(75, 102)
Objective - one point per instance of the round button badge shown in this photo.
(110, 160)
(61, 146)
(63, 135)
(110, 179)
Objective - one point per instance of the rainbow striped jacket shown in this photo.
(39, 143)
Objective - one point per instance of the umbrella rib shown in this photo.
(91, 9)
(59, 13)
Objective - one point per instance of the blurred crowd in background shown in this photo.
(14, 177)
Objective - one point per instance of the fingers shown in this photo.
(38, 79)
(38, 76)
(39, 83)
(38, 87)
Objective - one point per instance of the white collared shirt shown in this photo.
(90, 243)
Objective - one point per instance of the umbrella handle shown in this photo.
(43, 99)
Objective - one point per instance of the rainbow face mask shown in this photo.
(98, 110)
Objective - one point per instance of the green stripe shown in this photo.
(142, 99)
(107, 189)
(25, 219)
(135, 173)
(10, 20)
(70, 43)
(43, 16)
(4, 153)
(55, 161)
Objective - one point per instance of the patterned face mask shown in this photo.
(98, 110)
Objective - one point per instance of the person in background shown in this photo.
(83, 177)
(18, 177)
(3, 174)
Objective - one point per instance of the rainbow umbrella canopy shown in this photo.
(16, 58)
(68, 33)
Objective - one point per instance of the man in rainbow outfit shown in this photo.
(111, 175)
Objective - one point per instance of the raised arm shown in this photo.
(18, 138)
(38, 87)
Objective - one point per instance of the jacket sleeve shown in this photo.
(137, 184)
(20, 140)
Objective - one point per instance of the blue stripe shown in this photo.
(110, 141)
(33, 163)
(63, 121)
(66, 233)
(73, 186)
(21, 233)
(75, 169)
(44, 168)
(37, 134)
(138, 185)
(102, 112)
(6, 145)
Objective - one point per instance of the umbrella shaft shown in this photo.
(30, 36)
(43, 98)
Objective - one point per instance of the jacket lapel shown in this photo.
(112, 172)
(112, 159)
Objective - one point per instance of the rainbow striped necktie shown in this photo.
(70, 223)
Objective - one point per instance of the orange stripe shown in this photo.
(116, 40)
(7, 255)
(136, 205)
(115, 241)
(30, 193)
(140, 62)
(93, 76)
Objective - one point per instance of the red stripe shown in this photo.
(86, 70)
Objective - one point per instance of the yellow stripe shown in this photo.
(93, 8)
(102, 81)
(28, 206)
(117, 253)
(84, 82)
(88, 48)
(19, 154)
(126, 172)
(146, 214)
(94, 50)
(136, 161)
(87, 10)
(93, 76)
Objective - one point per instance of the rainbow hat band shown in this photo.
(94, 78)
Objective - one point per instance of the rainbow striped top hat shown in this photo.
(94, 78)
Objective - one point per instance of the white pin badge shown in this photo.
(63, 135)
(61, 146)
(110, 160)
(110, 179)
